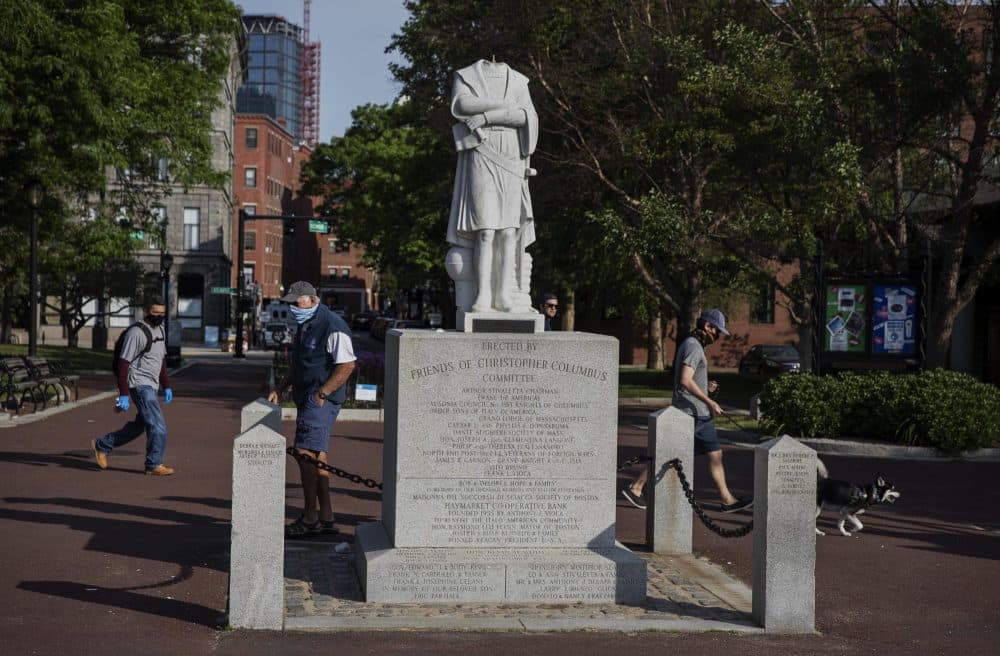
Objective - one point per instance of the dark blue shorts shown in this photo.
(706, 439)
(314, 423)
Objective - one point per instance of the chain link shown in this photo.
(633, 461)
(354, 478)
(698, 510)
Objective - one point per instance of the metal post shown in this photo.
(33, 314)
(166, 261)
(240, 285)
(35, 191)
(819, 300)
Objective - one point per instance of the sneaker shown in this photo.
(633, 498)
(736, 506)
(99, 456)
(160, 470)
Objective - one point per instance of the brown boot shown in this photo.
(160, 470)
(99, 456)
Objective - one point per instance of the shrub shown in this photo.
(947, 410)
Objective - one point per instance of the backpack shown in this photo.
(121, 341)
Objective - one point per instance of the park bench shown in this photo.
(17, 386)
(55, 373)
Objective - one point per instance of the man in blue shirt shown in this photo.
(321, 362)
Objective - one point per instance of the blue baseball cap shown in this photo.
(716, 318)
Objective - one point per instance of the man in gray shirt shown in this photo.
(691, 390)
(141, 370)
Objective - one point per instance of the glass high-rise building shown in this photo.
(274, 84)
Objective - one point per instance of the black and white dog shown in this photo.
(849, 499)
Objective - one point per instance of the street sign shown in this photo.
(223, 290)
(318, 226)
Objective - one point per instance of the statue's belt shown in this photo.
(513, 166)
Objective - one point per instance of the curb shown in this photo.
(864, 448)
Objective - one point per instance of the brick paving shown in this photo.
(322, 591)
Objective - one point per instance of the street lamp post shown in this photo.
(166, 261)
(35, 192)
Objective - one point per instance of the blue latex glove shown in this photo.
(123, 402)
(168, 395)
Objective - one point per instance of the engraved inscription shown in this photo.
(256, 455)
(567, 581)
(795, 473)
(438, 581)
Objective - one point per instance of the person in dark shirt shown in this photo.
(321, 362)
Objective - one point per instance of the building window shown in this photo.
(192, 226)
(157, 237)
(250, 176)
(762, 305)
(345, 272)
(250, 209)
(331, 245)
(249, 241)
(190, 289)
(251, 138)
(162, 170)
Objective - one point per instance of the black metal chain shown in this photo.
(698, 510)
(354, 478)
(633, 461)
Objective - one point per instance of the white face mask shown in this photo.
(303, 315)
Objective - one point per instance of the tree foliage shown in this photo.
(87, 86)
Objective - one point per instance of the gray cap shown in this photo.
(716, 318)
(300, 288)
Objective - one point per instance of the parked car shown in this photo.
(363, 320)
(380, 325)
(276, 336)
(771, 359)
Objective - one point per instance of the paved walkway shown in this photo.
(684, 593)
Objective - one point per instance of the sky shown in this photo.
(354, 69)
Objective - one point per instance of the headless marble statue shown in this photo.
(491, 218)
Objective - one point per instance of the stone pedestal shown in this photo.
(499, 472)
(257, 550)
(261, 412)
(668, 515)
(784, 536)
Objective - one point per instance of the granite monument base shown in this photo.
(495, 575)
(499, 472)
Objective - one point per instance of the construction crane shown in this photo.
(310, 81)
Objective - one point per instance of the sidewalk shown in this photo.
(112, 561)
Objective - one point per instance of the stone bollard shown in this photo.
(669, 515)
(257, 548)
(784, 536)
(261, 412)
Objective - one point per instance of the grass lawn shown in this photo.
(734, 389)
(79, 359)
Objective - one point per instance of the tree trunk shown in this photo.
(569, 311)
(654, 346)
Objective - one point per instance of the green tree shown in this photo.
(912, 89)
(385, 186)
(658, 121)
(92, 85)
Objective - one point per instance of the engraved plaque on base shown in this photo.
(500, 454)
